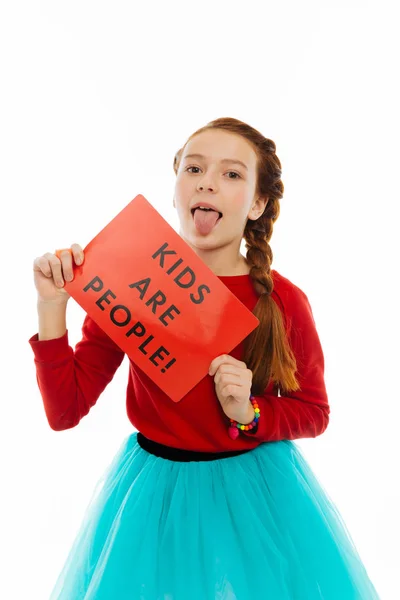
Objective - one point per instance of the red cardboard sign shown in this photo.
(151, 293)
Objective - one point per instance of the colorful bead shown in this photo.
(233, 432)
(235, 427)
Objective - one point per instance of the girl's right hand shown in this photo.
(50, 273)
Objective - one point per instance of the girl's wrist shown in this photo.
(249, 416)
(236, 426)
(245, 415)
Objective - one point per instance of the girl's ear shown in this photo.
(173, 202)
(258, 208)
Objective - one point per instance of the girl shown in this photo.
(210, 498)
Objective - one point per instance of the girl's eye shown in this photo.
(234, 172)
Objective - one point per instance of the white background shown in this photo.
(96, 98)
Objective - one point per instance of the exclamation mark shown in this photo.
(167, 366)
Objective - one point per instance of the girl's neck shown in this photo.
(241, 268)
(224, 261)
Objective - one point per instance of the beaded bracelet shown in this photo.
(235, 427)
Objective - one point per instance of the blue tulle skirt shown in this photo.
(257, 526)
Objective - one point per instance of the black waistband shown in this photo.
(180, 455)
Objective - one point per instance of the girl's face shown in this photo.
(223, 174)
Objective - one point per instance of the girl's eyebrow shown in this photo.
(223, 160)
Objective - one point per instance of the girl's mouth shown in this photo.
(206, 210)
(205, 219)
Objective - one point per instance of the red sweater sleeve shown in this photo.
(71, 382)
(304, 413)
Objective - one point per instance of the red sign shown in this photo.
(151, 294)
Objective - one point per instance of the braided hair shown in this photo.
(267, 350)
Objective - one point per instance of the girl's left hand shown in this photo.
(233, 387)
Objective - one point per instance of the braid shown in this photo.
(259, 255)
(267, 350)
(258, 233)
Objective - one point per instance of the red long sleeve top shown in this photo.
(71, 382)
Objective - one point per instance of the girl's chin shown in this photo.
(201, 242)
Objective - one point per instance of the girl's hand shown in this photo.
(51, 271)
(233, 387)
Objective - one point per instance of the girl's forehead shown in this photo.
(220, 146)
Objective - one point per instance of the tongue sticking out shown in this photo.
(205, 220)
